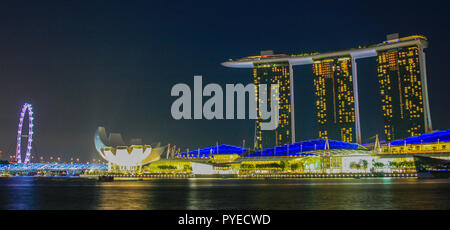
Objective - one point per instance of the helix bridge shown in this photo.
(68, 169)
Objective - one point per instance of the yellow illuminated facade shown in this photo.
(168, 166)
(275, 73)
(335, 103)
(437, 147)
(399, 78)
(224, 158)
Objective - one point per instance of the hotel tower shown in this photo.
(403, 91)
(402, 85)
(275, 73)
(334, 98)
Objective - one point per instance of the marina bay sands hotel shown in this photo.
(402, 86)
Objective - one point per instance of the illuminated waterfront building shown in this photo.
(403, 90)
(335, 103)
(123, 157)
(312, 158)
(431, 144)
(322, 157)
(275, 73)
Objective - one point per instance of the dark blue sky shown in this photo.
(113, 63)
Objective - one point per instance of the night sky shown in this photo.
(88, 63)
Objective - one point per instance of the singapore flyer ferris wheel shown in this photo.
(29, 136)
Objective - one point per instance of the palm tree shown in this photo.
(365, 164)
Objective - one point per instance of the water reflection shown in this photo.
(123, 195)
(18, 193)
(153, 194)
(45, 193)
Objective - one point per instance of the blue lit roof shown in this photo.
(442, 136)
(213, 150)
(299, 148)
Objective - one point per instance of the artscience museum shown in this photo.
(124, 157)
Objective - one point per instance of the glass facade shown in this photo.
(274, 73)
(400, 84)
(335, 102)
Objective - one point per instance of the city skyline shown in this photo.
(80, 72)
